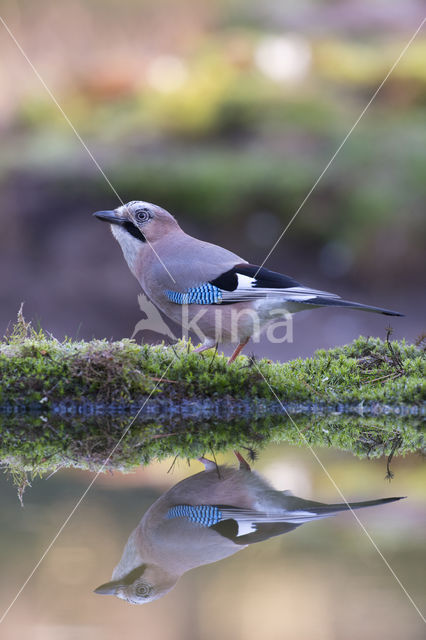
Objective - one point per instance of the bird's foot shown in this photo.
(243, 463)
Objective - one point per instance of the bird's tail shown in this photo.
(295, 511)
(324, 301)
(329, 509)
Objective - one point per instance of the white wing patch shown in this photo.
(244, 528)
(245, 282)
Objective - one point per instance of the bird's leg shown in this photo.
(238, 350)
(243, 463)
(209, 465)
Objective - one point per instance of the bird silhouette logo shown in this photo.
(153, 320)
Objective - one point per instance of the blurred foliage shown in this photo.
(235, 115)
(219, 89)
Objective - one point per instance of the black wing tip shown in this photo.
(393, 313)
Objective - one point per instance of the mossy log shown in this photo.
(38, 372)
(69, 403)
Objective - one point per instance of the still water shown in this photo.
(322, 579)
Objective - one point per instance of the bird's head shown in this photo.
(136, 226)
(140, 221)
(146, 583)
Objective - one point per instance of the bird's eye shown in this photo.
(143, 590)
(142, 215)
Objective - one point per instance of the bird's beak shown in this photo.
(110, 216)
(107, 589)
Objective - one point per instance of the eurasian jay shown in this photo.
(204, 518)
(224, 297)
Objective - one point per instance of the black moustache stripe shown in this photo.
(134, 231)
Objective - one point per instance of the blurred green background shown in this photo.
(225, 113)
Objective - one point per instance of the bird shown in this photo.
(204, 518)
(207, 288)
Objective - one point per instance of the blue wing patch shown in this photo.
(203, 294)
(203, 514)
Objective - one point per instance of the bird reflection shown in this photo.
(204, 518)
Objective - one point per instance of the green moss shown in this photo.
(59, 400)
(36, 445)
(38, 371)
